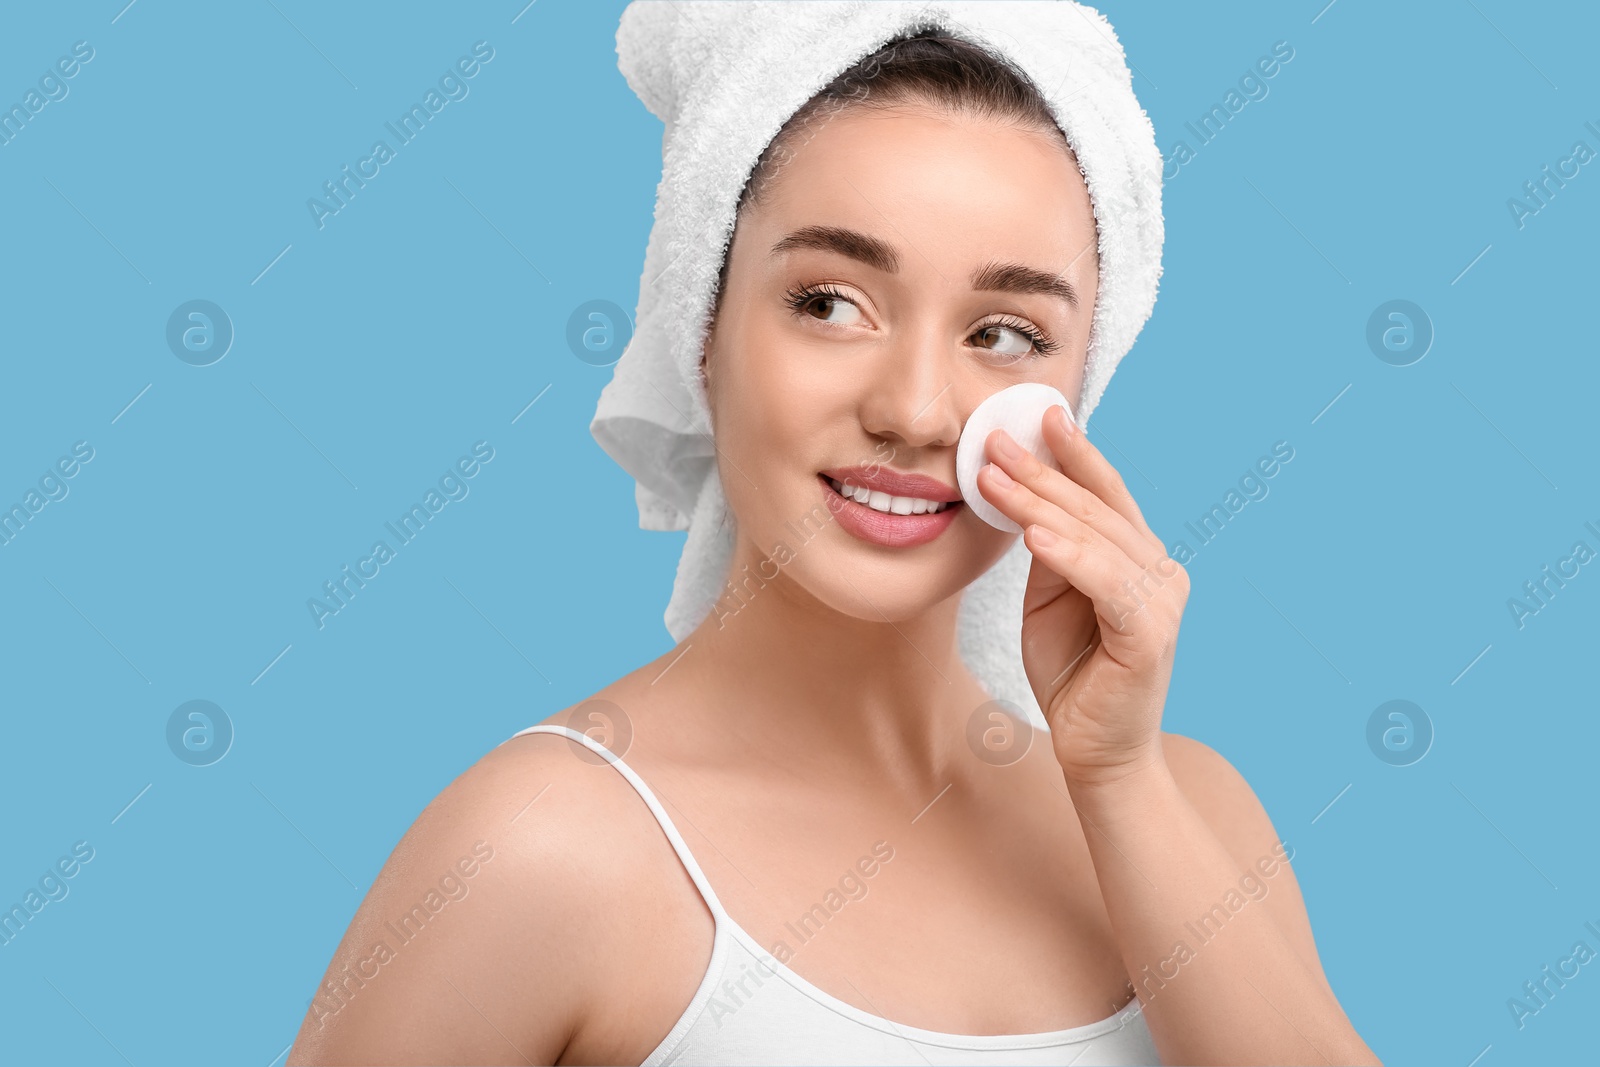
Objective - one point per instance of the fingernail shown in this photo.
(1070, 426)
(1007, 448)
(1042, 537)
(1001, 478)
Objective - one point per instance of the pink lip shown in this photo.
(880, 528)
(895, 483)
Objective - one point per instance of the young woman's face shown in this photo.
(899, 267)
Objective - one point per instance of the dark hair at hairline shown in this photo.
(927, 66)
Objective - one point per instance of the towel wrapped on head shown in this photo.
(724, 78)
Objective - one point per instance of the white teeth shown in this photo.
(892, 505)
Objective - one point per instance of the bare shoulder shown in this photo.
(1235, 814)
(483, 935)
(1219, 791)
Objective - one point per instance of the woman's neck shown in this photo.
(814, 683)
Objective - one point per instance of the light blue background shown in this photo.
(430, 312)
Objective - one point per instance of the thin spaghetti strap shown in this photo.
(667, 827)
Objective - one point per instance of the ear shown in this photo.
(705, 356)
(705, 381)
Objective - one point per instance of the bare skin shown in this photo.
(828, 710)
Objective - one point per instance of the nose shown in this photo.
(914, 398)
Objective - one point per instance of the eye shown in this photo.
(1007, 336)
(1023, 343)
(804, 301)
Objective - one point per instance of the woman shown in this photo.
(803, 857)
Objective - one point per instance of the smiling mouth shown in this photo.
(886, 504)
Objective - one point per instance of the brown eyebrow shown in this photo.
(992, 277)
(859, 246)
(1016, 278)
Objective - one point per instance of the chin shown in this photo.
(875, 584)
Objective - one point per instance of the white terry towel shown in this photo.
(723, 76)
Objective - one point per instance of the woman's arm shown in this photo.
(1208, 917)
(1229, 972)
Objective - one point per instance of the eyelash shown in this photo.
(798, 298)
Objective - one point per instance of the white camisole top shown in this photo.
(751, 1009)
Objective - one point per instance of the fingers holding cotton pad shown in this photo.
(1019, 411)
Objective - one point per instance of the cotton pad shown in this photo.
(1019, 410)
